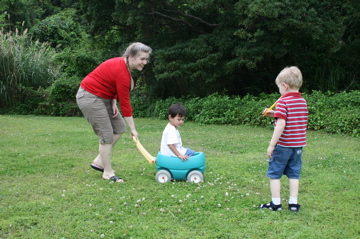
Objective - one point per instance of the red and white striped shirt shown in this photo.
(293, 109)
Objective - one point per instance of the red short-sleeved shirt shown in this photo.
(293, 109)
(111, 80)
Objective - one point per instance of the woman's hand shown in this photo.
(115, 109)
(134, 133)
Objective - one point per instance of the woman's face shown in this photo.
(138, 62)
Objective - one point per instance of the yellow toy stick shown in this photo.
(143, 151)
(270, 108)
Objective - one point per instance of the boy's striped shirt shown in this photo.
(293, 109)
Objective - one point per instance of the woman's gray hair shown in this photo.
(135, 48)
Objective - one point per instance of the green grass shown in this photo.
(48, 190)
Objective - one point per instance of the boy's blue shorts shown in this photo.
(189, 152)
(285, 161)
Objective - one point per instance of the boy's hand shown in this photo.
(267, 112)
(183, 157)
(270, 151)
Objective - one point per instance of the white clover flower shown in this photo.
(102, 235)
(226, 194)
(125, 203)
(136, 205)
(219, 205)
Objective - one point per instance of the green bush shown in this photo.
(60, 30)
(25, 66)
(328, 111)
(60, 98)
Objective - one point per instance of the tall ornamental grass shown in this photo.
(25, 66)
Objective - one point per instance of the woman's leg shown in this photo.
(98, 161)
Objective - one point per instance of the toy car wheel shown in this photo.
(195, 177)
(163, 176)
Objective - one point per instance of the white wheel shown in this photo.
(163, 176)
(195, 177)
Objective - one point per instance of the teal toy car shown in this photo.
(191, 170)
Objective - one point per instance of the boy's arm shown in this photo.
(279, 129)
(176, 152)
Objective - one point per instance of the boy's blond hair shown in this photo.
(291, 76)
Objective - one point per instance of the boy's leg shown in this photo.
(294, 192)
(275, 203)
(293, 172)
(294, 187)
(189, 152)
(277, 165)
(275, 186)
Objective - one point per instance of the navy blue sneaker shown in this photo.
(271, 206)
(294, 207)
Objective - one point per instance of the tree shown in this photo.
(236, 47)
(23, 14)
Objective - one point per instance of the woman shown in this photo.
(97, 97)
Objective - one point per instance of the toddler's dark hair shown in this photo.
(177, 109)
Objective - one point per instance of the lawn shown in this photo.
(48, 189)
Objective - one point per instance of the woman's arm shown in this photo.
(130, 122)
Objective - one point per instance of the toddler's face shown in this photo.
(177, 121)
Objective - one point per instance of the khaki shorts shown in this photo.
(98, 113)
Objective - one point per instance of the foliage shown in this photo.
(29, 12)
(334, 112)
(48, 189)
(25, 66)
(60, 30)
(331, 112)
(57, 101)
(237, 47)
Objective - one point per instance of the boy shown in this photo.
(285, 149)
(171, 144)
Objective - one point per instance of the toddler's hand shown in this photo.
(270, 151)
(267, 112)
(183, 157)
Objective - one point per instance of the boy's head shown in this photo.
(291, 76)
(177, 110)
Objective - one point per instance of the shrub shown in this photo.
(60, 98)
(25, 66)
(328, 111)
